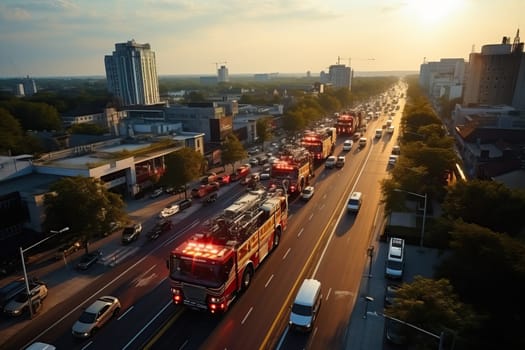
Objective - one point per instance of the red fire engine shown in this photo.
(209, 269)
(320, 143)
(295, 166)
(345, 124)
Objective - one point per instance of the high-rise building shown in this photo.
(29, 86)
(223, 75)
(443, 78)
(492, 75)
(131, 74)
(340, 76)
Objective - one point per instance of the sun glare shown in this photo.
(432, 11)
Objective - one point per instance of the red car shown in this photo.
(224, 179)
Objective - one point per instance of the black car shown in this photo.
(159, 228)
(88, 260)
(390, 294)
(184, 204)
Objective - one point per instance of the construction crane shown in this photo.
(350, 60)
(217, 64)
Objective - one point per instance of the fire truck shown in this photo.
(295, 166)
(320, 142)
(347, 123)
(210, 269)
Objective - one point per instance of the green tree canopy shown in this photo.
(88, 129)
(34, 115)
(84, 205)
(432, 305)
(487, 270)
(232, 150)
(264, 129)
(487, 203)
(182, 167)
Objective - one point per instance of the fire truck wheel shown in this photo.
(247, 278)
(277, 238)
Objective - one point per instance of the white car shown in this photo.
(95, 316)
(330, 162)
(307, 193)
(347, 145)
(20, 304)
(170, 210)
(392, 159)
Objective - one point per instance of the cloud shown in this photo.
(9, 13)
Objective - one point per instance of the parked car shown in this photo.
(396, 150)
(95, 316)
(390, 294)
(392, 159)
(20, 303)
(67, 249)
(88, 260)
(156, 192)
(254, 162)
(175, 190)
(160, 227)
(307, 193)
(131, 233)
(224, 179)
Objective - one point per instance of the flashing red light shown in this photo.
(176, 299)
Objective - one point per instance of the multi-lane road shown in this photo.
(322, 241)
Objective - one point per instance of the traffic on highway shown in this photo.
(320, 239)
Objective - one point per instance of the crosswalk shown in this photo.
(117, 255)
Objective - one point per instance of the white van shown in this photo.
(362, 142)
(395, 261)
(306, 305)
(354, 202)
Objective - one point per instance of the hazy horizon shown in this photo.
(71, 38)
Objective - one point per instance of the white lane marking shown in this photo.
(247, 315)
(125, 313)
(300, 232)
(328, 294)
(311, 216)
(175, 236)
(268, 282)
(321, 206)
(87, 345)
(286, 254)
(147, 325)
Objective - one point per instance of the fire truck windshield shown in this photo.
(199, 271)
(279, 173)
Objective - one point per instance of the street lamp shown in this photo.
(22, 251)
(368, 300)
(424, 212)
(439, 337)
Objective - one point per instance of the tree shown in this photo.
(34, 116)
(11, 133)
(487, 203)
(433, 306)
(264, 129)
(182, 167)
(487, 270)
(232, 150)
(329, 103)
(84, 205)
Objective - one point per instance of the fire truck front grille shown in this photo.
(195, 294)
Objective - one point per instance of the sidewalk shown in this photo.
(60, 275)
(367, 333)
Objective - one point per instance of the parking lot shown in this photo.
(367, 333)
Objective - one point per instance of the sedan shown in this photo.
(307, 193)
(95, 316)
(170, 210)
(88, 260)
(392, 159)
(156, 193)
(20, 304)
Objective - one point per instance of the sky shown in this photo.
(42, 38)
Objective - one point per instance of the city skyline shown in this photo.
(69, 38)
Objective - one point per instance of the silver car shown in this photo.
(95, 316)
(20, 304)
